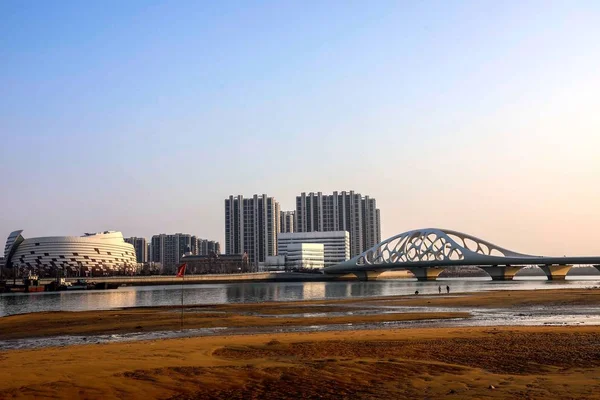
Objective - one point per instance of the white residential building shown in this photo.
(336, 244)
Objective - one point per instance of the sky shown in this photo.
(143, 116)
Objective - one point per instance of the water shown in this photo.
(524, 316)
(19, 303)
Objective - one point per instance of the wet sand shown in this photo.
(39, 325)
(257, 315)
(530, 362)
(471, 362)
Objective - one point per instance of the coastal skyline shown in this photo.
(142, 117)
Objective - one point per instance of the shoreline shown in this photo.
(289, 314)
(536, 362)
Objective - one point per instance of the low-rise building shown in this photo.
(304, 256)
(216, 263)
(299, 256)
(274, 263)
(93, 254)
(336, 244)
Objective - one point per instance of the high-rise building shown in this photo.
(141, 248)
(343, 211)
(207, 247)
(169, 249)
(336, 244)
(286, 221)
(251, 226)
(370, 223)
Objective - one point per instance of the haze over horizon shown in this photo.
(143, 117)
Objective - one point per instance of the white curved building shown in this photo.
(93, 253)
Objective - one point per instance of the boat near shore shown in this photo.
(32, 284)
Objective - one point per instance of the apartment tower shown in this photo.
(286, 221)
(141, 248)
(340, 211)
(251, 226)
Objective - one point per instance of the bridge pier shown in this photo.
(556, 272)
(426, 273)
(364, 276)
(502, 273)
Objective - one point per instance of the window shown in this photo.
(75, 254)
(46, 254)
(37, 244)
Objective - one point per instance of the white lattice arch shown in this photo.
(431, 245)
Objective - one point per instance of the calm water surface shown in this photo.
(19, 303)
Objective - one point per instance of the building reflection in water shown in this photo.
(87, 300)
(247, 292)
(313, 290)
(257, 292)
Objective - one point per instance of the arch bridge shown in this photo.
(427, 252)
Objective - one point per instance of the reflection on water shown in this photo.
(19, 303)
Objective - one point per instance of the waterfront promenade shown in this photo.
(140, 280)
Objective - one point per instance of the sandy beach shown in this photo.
(473, 362)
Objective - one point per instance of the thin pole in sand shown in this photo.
(181, 274)
(182, 282)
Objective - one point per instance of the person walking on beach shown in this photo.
(448, 289)
(440, 289)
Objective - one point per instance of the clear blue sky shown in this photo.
(143, 116)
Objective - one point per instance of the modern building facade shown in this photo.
(340, 211)
(251, 226)
(92, 254)
(286, 221)
(141, 248)
(298, 256)
(336, 244)
(304, 256)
